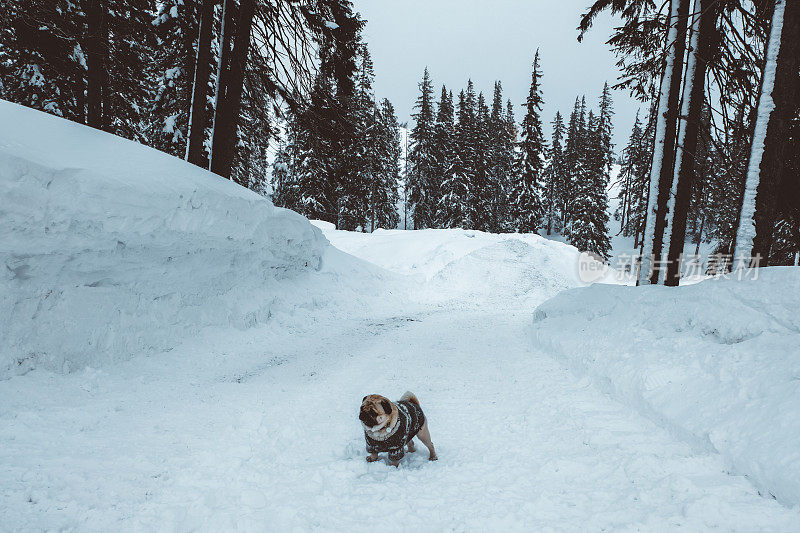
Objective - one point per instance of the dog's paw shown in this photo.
(372, 458)
(433, 458)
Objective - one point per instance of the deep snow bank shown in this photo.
(718, 363)
(468, 266)
(109, 248)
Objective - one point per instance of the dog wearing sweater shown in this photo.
(391, 426)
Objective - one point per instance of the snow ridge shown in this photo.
(715, 363)
(111, 249)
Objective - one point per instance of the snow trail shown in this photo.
(261, 434)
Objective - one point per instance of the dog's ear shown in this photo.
(363, 399)
(386, 406)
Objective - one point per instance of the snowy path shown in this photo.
(268, 439)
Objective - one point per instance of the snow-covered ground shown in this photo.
(227, 423)
(717, 363)
(112, 249)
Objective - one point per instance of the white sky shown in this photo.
(487, 40)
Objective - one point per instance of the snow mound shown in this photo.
(474, 267)
(717, 363)
(109, 248)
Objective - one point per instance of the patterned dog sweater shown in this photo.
(409, 421)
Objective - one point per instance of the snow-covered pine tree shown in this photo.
(725, 182)
(421, 184)
(458, 188)
(573, 164)
(176, 24)
(633, 179)
(315, 154)
(42, 59)
(501, 152)
(444, 146)
(384, 195)
(483, 179)
(589, 228)
(527, 189)
(284, 186)
(509, 167)
(362, 152)
(698, 203)
(554, 177)
(86, 60)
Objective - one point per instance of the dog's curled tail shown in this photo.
(409, 397)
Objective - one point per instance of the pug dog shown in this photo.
(391, 426)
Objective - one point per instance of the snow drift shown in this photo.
(470, 267)
(110, 249)
(717, 363)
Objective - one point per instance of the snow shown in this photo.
(219, 390)
(104, 239)
(716, 363)
(766, 105)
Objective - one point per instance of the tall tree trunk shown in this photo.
(661, 171)
(702, 46)
(226, 33)
(96, 63)
(226, 138)
(770, 139)
(197, 115)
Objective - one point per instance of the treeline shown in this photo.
(199, 79)
(470, 166)
(340, 160)
(724, 79)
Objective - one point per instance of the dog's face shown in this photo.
(376, 411)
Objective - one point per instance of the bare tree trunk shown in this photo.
(197, 116)
(661, 172)
(226, 135)
(703, 42)
(226, 32)
(768, 154)
(96, 63)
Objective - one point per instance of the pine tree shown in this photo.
(176, 25)
(501, 152)
(284, 185)
(573, 163)
(421, 180)
(384, 195)
(362, 153)
(589, 228)
(42, 59)
(509, 167)
(633, 176)
(459, 187)
(456, 186)
(555, 177)
(483, 179)
(444, 146)
(526, 191)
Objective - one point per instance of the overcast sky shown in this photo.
(489, 40)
